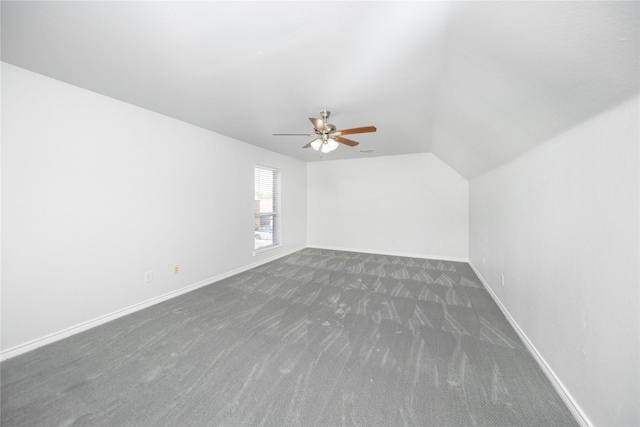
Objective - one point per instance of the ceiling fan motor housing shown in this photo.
(329, 128)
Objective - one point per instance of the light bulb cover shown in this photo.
(325, 148)
(315, 144)
(333, 144)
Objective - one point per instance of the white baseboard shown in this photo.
(56, 336)
(392, 253)
(564, 394)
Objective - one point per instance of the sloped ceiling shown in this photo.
(476, 83)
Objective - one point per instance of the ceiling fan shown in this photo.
(327, 136)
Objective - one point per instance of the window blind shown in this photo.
(266, 207)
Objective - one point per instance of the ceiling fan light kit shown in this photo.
(327, 136)
(324, 144)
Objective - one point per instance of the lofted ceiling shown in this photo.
(476, 83)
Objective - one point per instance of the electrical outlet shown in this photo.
(148, 276)
(502, 279)
(176, 268)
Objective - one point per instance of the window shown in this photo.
(266, 207)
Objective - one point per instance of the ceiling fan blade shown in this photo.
(363, 129)
(308, 145)
(318, 124)
(346, 141)
(293, 134)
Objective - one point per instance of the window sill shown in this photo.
(266, 249)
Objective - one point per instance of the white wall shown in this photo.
(96, 192)
(407, 205)
(561, 224)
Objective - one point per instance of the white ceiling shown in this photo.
(476, 83)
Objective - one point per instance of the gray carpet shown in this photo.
(317, 338)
